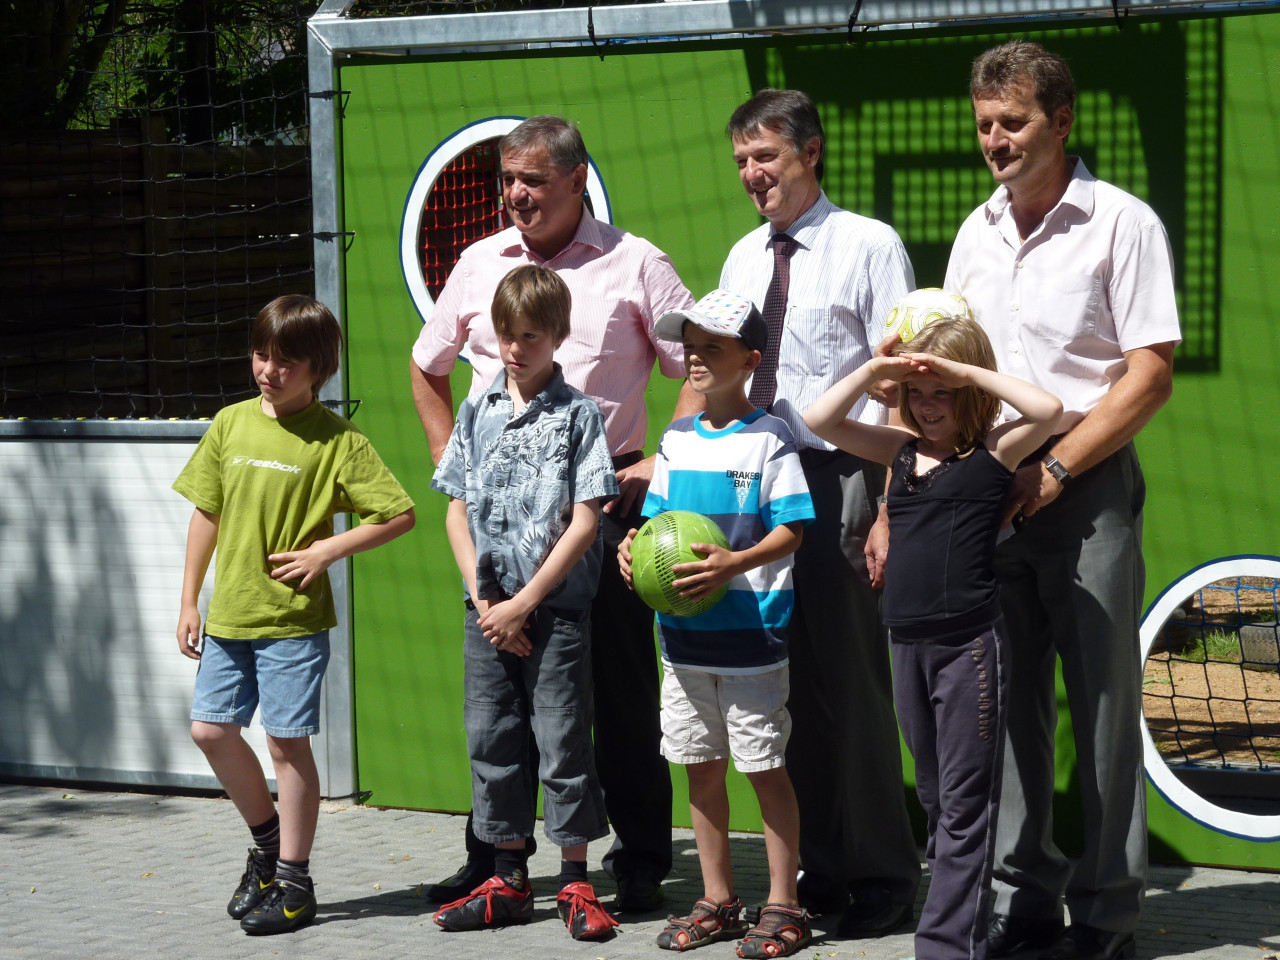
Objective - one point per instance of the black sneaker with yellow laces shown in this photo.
(253, 885)
(286, 907)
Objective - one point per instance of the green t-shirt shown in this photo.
(276, 485)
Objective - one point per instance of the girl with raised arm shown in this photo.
(951, 467)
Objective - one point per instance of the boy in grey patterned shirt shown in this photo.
(527, 469)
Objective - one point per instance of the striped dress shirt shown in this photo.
(847, 272)
(620, 284)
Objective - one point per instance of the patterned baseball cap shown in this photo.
(719, 312)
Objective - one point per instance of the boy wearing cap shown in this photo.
(725, 683)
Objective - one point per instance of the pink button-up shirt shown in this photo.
(620, 285)
(1062, 308)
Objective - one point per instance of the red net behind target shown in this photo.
(464, 205)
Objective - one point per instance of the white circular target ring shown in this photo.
(439, 158)
(1246, 826)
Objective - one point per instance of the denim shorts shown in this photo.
(713, 716)
(282, 675)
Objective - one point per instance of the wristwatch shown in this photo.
(1059, 472)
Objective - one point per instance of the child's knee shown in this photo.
(707, 779)
(707, 771)
(772, 780)
(211, 737)
(289, 749)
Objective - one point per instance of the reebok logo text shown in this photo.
(266, 464)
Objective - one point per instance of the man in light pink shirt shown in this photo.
(1072, 278)
(620, 285)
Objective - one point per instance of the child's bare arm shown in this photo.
(464, 548)
(505, 621)
(464, 552)
(721, 565)
(624, 555)
(827, 416)
(1013, 442)
(315, 559)
(202, 537)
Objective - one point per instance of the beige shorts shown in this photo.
(713, 716)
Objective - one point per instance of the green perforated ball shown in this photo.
(664, 542)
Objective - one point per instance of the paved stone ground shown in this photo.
(102, 875)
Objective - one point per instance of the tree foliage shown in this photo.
(213, 69)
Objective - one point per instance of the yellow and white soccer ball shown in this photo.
(919, 308)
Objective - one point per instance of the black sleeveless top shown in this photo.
(940, 582)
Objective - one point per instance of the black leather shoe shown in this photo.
(1008, 935)
(639, 894)
(873, 913)
(473, 873)
(819, 895)
(1082, 942)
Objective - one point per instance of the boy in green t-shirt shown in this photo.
(266, 480)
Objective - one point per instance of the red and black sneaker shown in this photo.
(583, 914)
(495, 903)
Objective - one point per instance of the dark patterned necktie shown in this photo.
(765, 384)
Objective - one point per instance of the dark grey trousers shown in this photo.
(548, 693)
(1072, 583)
(633, 773)
(844, 756)
(951, 701)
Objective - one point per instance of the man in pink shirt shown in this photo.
(1073, 280)
(620, 285)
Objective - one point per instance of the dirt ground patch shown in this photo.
(1200, 703)
(1213, 712)
(1245, 598)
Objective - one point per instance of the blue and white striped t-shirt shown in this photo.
(748, 479)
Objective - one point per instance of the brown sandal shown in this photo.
(689, 933)
(770, 924)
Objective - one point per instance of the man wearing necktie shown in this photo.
(824, 279)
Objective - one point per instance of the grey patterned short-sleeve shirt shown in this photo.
(520, 477)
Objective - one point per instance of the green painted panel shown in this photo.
(654, 155)
(1210, 456)
(1179, 112)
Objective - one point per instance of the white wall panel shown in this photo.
(92, 685)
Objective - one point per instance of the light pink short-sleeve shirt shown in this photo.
(620, 284)
(1093, 281)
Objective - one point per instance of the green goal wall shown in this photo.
(1181, 112)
